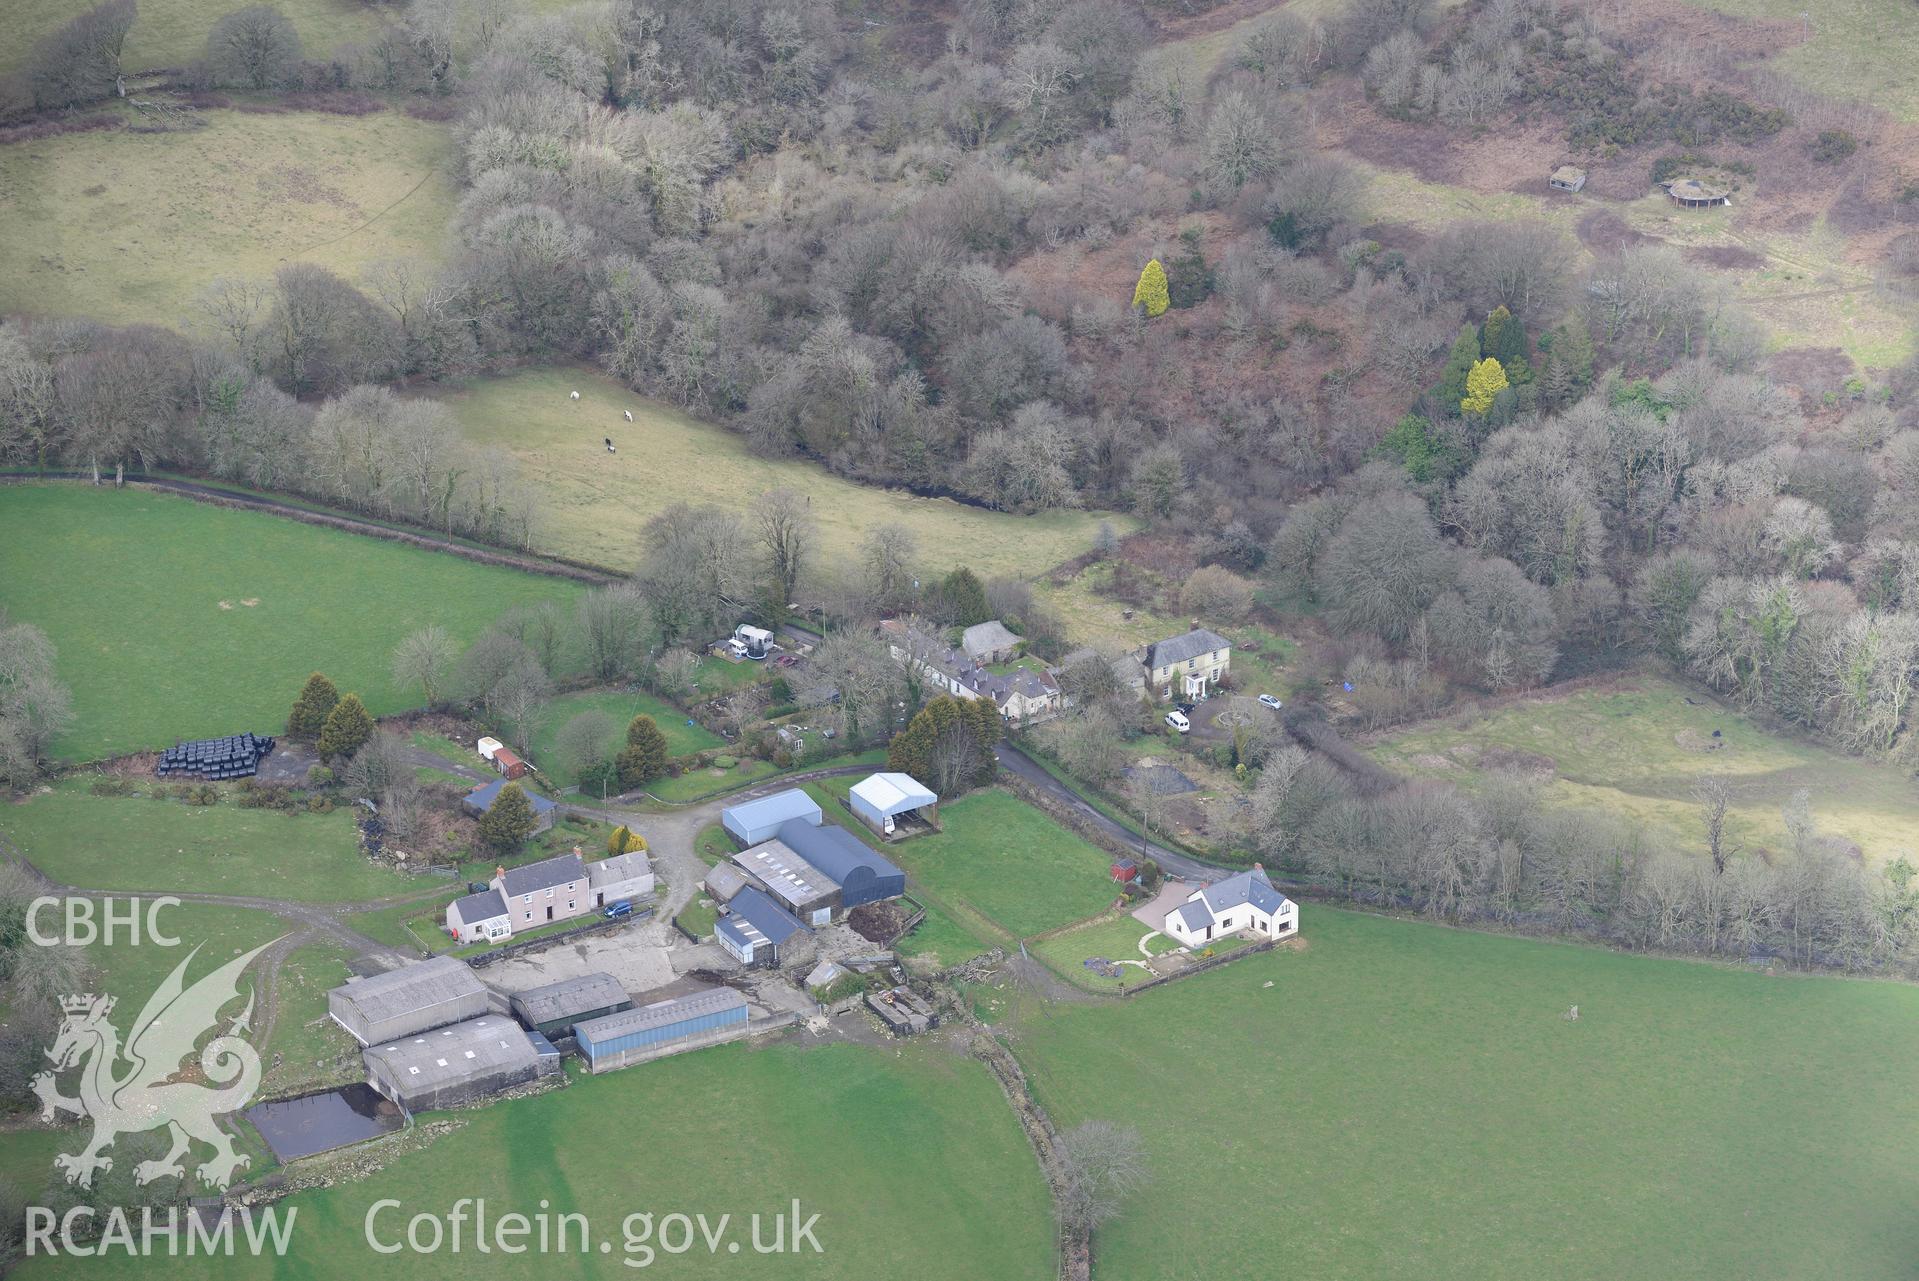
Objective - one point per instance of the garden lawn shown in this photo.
(1410, 1101)
(179, 620)
(1114, 939)
(1639, 747)
(161, 845)
(909, 1156)
(130, 227)
(998, 856)
(622, 706)
(714, 844)
(597, 504)
(698, 917)
(390, 925)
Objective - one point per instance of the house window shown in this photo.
(526, 898)
(549, 891)
(569, 905)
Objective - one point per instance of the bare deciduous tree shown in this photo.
(1103, 1164)
(786, 527)
(253, 48)
(425, 658)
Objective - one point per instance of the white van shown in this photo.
(1179, 722)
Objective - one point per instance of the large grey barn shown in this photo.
(452, 1065)
(863, 874)
(553, 1008)
(413, 998)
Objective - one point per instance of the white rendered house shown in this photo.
(1244, 903)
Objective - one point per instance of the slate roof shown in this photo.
(616, 868)
(481, 798)
(1194, 914)
(982, 639)
(1250, 886)
(1179, 649)
(411, 988)
(551, 1002)
(545, 874)
(475, 908)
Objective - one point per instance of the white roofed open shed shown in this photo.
(883, 800)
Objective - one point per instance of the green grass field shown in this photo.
(130, 227)
(910, 1158)
(598, 502)
(998, 856)
(215, 634)
(1638, 748)
(1114, 939)
(388, 924)
(172, 33)
(1809, 291)
(1406, 1100)
(1862, 50)
(143, 843)
(622, 706)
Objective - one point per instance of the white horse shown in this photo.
(629, 415)
(576, 395)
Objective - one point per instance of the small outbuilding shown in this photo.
(758, 932)
(553, 1008)
(751, 822)
(724, 882)
(863, 874)
(883, 800)
(619, 876)
(409, 1000)
(661, 1028)
(1695, 194)
(990, 642)
(480, 800)
(453, 1065)
(1567, 178)
(487, 747)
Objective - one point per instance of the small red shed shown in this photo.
(1124, 869)
(508, 763)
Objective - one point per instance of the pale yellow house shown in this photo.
(1187, 666)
